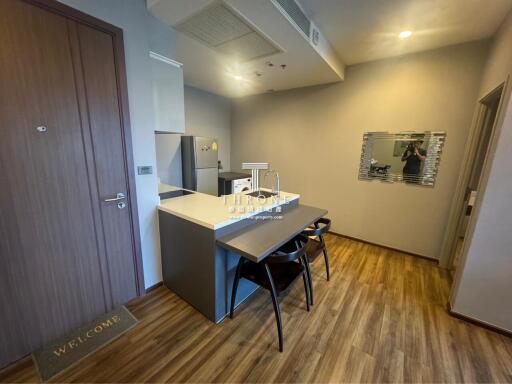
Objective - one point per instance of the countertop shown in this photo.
(216, 212)
(257, 241)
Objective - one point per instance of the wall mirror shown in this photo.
(410, 157)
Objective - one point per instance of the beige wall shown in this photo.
(485, 281)
(313, 137)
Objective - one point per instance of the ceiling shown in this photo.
(351, 32)
(365, 30)
(209, 69)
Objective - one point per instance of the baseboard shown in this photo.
(385, 247)
(155, 286)
(478, 323)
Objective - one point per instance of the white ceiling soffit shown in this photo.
(366, 30)
(226, 46)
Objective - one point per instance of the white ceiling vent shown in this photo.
(295, 14)
(222, 29)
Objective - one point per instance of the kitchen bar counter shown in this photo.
(202, 240)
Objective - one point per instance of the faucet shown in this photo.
(255, 170)
(275, 189)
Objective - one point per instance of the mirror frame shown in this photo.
(435, 140)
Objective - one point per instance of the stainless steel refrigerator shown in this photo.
(199, 160)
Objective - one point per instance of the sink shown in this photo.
(265, 194)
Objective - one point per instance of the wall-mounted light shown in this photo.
(405, 34)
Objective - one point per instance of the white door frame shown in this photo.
(457, 207)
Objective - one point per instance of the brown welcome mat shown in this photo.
(68, 350)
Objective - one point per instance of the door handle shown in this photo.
(119, 196)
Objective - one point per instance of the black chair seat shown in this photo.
(283, 274)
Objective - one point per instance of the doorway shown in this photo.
(471, 182)
(489, 106)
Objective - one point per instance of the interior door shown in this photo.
(111, 171)
(66, 255)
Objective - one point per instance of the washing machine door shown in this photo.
(242, 185)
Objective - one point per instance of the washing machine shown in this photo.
(234, 182)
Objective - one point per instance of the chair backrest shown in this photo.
(322, 226)
(290, 251)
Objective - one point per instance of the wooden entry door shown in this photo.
(69, 247)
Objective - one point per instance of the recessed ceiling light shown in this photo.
(238, 77)
(405, 34)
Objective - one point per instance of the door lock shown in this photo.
(121, 205)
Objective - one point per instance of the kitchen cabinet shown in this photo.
(168, 94)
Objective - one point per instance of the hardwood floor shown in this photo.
(381, 318)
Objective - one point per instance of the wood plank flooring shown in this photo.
(381, 318)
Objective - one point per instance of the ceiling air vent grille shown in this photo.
(223, 30)
(295, 13)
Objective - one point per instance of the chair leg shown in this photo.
(306, 283)
(277, 311)
(235, 286)
(308, 272)
(326, 258)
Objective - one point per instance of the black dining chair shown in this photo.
(316, 245)
(276, 273)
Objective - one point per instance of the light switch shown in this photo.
(144, 170)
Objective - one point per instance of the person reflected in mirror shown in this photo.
(413, 157)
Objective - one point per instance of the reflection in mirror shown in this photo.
(410, 157)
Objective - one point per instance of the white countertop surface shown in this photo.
(216, 212)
